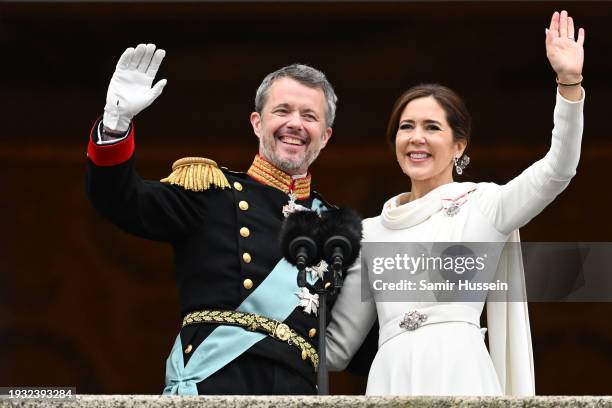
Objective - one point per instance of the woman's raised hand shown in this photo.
(565, 53)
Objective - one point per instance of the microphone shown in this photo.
(299, 236)
(341, 232)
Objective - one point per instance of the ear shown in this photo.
(326, 136)
(256, 123)
(461, 145)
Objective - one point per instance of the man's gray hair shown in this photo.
(306, 75)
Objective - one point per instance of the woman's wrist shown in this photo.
(569, 79)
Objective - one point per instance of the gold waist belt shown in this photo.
(253, 322)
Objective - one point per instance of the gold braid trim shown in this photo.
(253, 322)
(269, 180)
(196, 174)
(265, 172)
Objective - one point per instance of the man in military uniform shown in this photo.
(247, 327)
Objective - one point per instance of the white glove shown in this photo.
(130, 91)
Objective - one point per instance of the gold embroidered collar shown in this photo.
(264, 172)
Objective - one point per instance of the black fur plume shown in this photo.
(345, 222)
(300, 223)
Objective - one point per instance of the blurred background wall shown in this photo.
(83, 304)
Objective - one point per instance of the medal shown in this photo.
(318, 270)
(452, 206)
(308, 301)
(452, 209)
(292, 206)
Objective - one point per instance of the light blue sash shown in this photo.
(275, 298)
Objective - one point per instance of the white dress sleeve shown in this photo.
(512, 205)
(352, 319)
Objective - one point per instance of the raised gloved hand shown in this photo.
(130, 91)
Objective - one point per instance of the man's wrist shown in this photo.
(108, 135)
(106, 131)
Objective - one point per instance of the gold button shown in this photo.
(247, 283)
(244, 231)
(188, 349)
(312, 332)
(304, 355)
(243, 205)
(327, 285)
(237, 186)
(246, 257)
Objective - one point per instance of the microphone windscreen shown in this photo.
(347, 223)
(299, 224)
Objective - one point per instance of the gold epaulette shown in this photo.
(196, 174)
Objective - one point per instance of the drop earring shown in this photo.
(461, 163)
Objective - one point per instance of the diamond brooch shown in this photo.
(413, 320)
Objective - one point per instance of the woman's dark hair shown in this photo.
(457, 114)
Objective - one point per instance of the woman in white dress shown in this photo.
(435, 348)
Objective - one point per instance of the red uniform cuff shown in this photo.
(110, 154)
